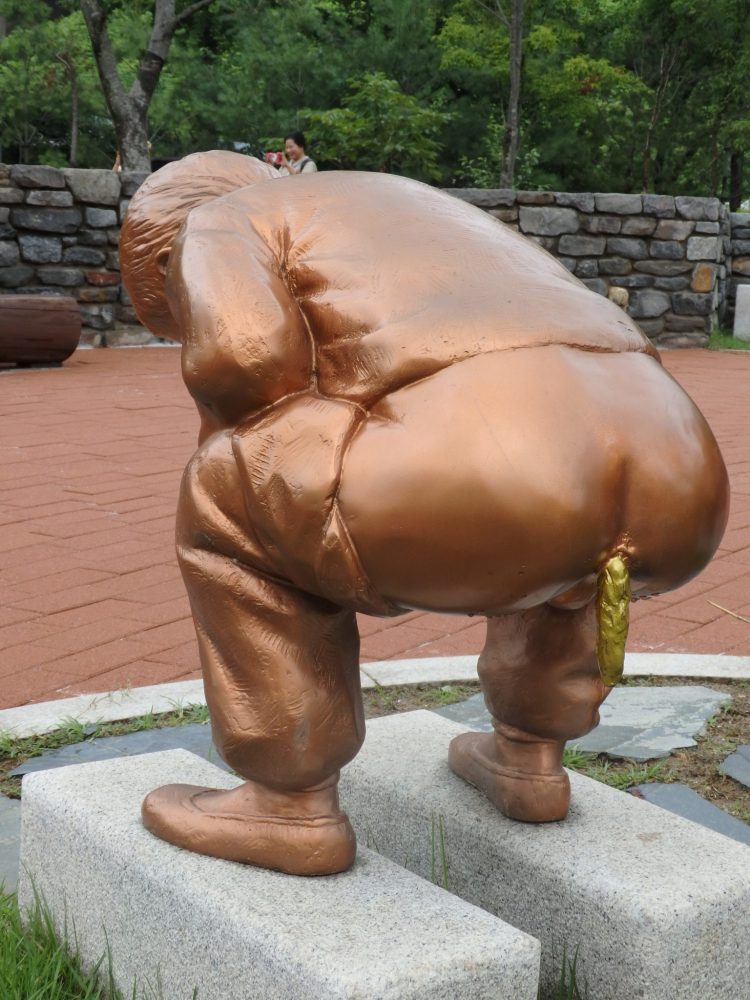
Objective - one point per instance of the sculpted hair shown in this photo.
(158, 210)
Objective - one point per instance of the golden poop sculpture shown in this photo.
(404, 404)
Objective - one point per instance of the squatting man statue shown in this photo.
(404, 405)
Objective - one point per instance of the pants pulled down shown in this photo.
(275, 580)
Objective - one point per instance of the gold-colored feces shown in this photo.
(613, 619)
(404, 404)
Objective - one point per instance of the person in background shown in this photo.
(295, 161)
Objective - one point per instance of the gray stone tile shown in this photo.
(686, 802)
(10, 841)
(737, 765)
(639, 723)
(472, 713)
(196, 738)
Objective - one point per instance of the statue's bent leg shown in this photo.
(282, 683)
(541, 681)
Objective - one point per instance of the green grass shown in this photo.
(721, 340)
(14, 751)
(384, 700)
(568, 987)
(443, 858)
(36, 965)
(618, 774)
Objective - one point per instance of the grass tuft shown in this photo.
(721, 340)
(36, 965)
(443, 856)
(14, 751)
(618, 774)
(568, 987)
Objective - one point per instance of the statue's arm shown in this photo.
(245, 342)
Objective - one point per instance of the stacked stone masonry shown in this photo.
(673, 263)
(59, 235)
(667, 260)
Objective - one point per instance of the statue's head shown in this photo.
(155, 215)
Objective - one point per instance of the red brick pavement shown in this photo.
(91, 598)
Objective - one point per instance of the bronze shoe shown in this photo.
(523, 785)
(297, 837)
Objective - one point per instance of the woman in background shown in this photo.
(295, 161)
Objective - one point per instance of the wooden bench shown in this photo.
(38, 329)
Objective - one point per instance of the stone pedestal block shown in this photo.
(658, 907)
(742, 313)
(182, 921)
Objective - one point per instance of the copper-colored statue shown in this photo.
(404, 405)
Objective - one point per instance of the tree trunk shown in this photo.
(73, 117)
(512, 135)
(132, 141)
(736, 177)
(70, 69)
(129, 110)
(666, 65)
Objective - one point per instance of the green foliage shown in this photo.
(616, 94)
(381, 128)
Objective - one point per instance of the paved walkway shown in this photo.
(90, 595)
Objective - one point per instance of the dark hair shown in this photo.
(297, 137)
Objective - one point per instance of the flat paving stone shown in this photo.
(196, 738)
(472, 713)
(737, 765)
(638, 723)
(641, 723)
(686, 802)
(10, 841)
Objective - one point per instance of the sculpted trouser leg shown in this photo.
(541, 681)
(282, 683)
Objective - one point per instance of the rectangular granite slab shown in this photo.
(178, 920)
(657, 907)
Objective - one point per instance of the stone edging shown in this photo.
(112, 706)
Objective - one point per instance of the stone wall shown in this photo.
(662, 258)
(59, 234)
(667, 260)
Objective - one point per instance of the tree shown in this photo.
(513, 22)
(129, 108)
(380, 128)
(48, 83)
(473, 55)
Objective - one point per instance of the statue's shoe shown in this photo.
(220, 824)
(518, 793)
